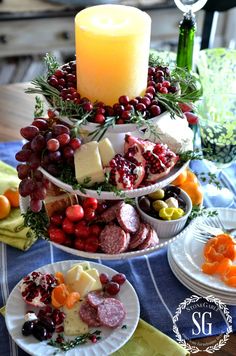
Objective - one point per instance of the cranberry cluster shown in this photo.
(158, 81)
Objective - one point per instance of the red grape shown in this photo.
(119, 278)
(75, 212)
(63, 139)
(29, 132)
(68, 152)
(23, 170)
(53, 144)
(104, 278)
(41, 124)
(75, 143)
(38, 143)
(36, 205)
(23, 155)
(34, 161)
(59, 129)
(112, 288)
(55, 156)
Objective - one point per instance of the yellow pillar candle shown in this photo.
(112, 49)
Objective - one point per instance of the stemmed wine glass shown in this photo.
(217, 125)
(190, 5)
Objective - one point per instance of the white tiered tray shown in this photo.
(124, 193)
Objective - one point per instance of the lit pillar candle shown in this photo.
(112, 49)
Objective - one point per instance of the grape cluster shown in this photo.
(49, 145)
(158, 81)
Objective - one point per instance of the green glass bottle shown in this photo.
(187, 28)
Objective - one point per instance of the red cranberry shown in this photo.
(53, 81)
(124, 100)
(146, 101)
(166, 84)
(126, 115)
(155, 110)
(133, 102)
(164, 90)
(59, 73)
(118, 108)
(99, 119)
(140, 107)
(87, 106)
(100, 111)
(151, 70)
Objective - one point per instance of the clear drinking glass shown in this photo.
(217, 125)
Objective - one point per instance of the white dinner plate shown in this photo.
(202, 291)
(112, 339)
(187, 252)
(162, 182)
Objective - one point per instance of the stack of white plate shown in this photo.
(185, 256)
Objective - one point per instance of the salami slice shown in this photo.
(155, 239)
(139, 237)
(128, 218)
(89, 315)
(110, 214)
(95, 298)
(111, 313)
(113, 239)
(148, 241)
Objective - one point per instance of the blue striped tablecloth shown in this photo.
(158, 290)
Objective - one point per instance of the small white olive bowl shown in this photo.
(166, 229)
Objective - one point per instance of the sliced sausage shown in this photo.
(89, 315)
(155, 239)
(147, 242)
(95, 298)
(111, 313)
(139, 237)
(128, 218)
(110, 214)
(113, 239)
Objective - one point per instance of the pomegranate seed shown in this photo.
(99, 119)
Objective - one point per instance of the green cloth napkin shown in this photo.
(147, 341)
(12, 231)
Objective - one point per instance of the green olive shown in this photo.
(158, 205)
(158, 194)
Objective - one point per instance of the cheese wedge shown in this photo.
(84, 284)
(73, 325)
(106, 151)
(73, 274)
(88, 163)
(94, 273)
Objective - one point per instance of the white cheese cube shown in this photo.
(94, 273)
(73, 274)
(85, 265)
(106, 151)
(84, 285)
(73, 325)
(88, 163)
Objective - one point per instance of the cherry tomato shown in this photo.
(82, 230)
(57, 219)
(79, 244)
(90, 203)
(95, 229)
(68, 226)
(91, 243)
(57, 235)
(75, 212)
(89, 214)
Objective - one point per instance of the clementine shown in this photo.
(13, 196)
(5, 207)
(181, 178)
(194, 191)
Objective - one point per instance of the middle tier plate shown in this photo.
(123, 193)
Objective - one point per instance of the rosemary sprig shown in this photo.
(99, 133)
(39, 107)
(51, 62)
(66, 345)
(201, 211)
(82, 186)
(210, 178)
(155, 60)
(38, 222)
(190, 155)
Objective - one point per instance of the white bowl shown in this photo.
(168, 228)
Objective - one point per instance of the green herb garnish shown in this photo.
(210, 178)
(38, 222)
(66, 345)
(51, 62)
(201, 211)
(39, 107)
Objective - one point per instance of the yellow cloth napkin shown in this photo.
(12, 231)
(147, 341)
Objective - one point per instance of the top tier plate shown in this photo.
(123, 194)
